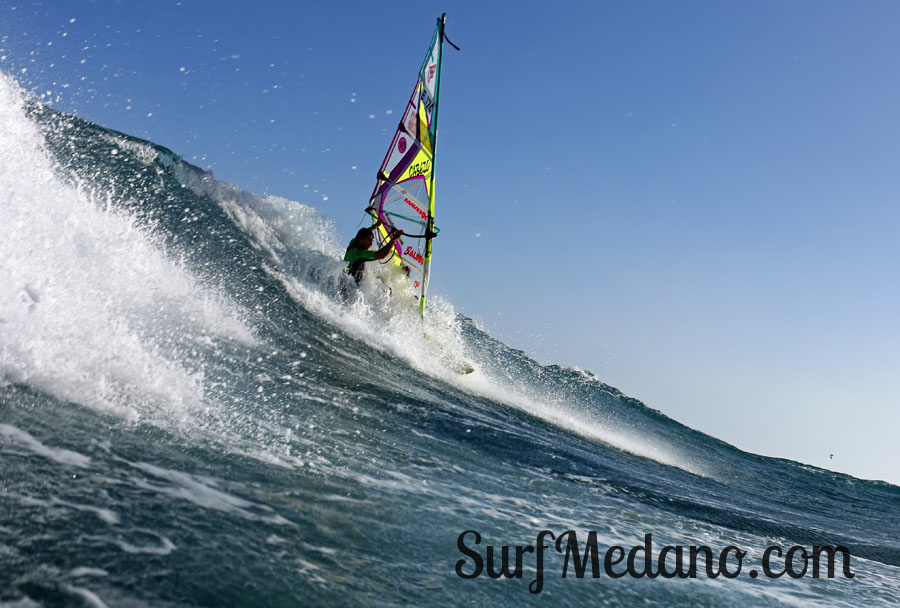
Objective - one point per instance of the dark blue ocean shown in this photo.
(198, 409)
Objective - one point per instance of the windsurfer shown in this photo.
(358, 252)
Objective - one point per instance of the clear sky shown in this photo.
(699, 201)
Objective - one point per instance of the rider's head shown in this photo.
(365, 238)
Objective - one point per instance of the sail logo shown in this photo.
(427, 103)
(415, 208)
(410, 252)
(431, 70)
(419, 169)
(401, 145)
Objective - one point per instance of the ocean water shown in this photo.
(197, 409)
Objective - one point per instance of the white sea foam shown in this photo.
(583, 420)
(87, 596)
(25, 602)
(88, 298)
(105, 515)
(13, 436)
(202, 492)
(87, 571)
(163, 547)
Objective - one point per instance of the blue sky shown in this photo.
(696, 200)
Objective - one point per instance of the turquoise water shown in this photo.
(196, 411)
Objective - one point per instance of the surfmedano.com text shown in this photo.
(640, 561)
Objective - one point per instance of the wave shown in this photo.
(196, 350)
(153, 257)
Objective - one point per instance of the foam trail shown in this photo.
(17, 437)
(583, 423)
(289, 231)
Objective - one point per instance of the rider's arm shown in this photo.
(384, 251)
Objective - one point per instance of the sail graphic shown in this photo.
(403, 197)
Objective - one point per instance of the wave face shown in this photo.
(198, 408)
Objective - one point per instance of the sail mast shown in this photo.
(429, 229)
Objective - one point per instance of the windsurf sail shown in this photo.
(403, 198)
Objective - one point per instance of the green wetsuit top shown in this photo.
(355, 258)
